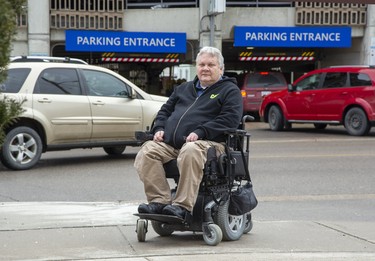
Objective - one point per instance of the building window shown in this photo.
(316, 13)
(87, 14)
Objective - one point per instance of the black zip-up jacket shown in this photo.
(219, 108)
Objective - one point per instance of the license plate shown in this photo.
(264, 93)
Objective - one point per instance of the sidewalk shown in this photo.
(106, 231)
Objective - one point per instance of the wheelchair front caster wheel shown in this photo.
(249, 223)
(212, 234)
(141, 229)
(161, 229)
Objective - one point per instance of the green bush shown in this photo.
(9, 109)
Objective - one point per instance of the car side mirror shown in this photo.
(290, 88)
(133, 94)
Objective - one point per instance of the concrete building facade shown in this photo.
(42, 31)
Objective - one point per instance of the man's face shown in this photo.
(208, 69)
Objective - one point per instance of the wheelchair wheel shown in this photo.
(232, 226)
(249, 223)
(141, 229)
(212, 234)
(161, 229)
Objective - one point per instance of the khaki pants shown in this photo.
(190, 162)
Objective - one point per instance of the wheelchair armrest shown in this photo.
(246, 118)
(222, 163)
(237, 132)
(143, 136)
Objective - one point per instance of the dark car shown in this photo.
(342, 95)
(256, 85)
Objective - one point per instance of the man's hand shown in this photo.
(159, 136)
(192, 137)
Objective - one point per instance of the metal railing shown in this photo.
(259, 3)
(132, 4)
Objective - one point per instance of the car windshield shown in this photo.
(265, 80)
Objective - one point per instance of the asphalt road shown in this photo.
(303, 174)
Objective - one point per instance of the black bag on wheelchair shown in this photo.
(242, 200)
(238, 163)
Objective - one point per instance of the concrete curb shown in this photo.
(106, 231)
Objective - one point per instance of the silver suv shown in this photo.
(69, 104)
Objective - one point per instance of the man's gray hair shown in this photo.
(214, 52)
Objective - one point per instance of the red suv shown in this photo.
(342, 95)
(256, 85)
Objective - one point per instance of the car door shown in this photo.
(59, 105)
(299, 102)
(361, 88)
(331, 98)
(115, 114)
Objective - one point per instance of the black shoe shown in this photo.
(152, 208)
(174, 210)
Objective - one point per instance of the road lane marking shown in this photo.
(310, 156)
(316, 197)
(314, 140)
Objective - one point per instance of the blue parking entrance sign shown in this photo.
(301, 36)
(129, 42)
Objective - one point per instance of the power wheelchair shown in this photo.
(222, 176)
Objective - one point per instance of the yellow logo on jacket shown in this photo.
(213, 96)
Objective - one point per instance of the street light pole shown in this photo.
(216, 7)
(212, 30)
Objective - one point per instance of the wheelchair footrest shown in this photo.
(167, 219)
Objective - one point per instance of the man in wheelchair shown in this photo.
(196, 117)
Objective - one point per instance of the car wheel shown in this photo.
(22, 148)
(320, 126)
(275, 118)
(118, 150)
(356, 122)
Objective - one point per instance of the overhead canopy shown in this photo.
(141, 58)
(285, 56)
